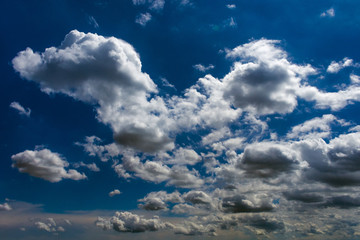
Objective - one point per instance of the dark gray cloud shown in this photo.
(335, 163)
(269, 225)
(344, 201)
(239, 204)
(266, 160)
(304, 196)
(143, 139)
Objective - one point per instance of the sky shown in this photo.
(180, 119)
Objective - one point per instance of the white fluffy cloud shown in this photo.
(106, 72)
(157, 200)
(45, 164)
(267, 82)
(318, 127)
(335, 67)
(129, 222)
(49, 225)
(20, 109)
(156, 171)
(333, 100)
(114, 192)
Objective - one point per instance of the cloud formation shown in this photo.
(5, 207)
(143, 18)
(45, 164)
(129, 222)
(114, 192)
(20, 109)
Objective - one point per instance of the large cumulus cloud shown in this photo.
(264, 82)
(105, 71)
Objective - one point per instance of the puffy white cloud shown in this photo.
(197, 197)
(50, 226)
(104, 152)
(129, 222)
(45, 164)
(203, 68)
(267, 83)
(156, 171)
(143, 18)
(5, 207)
(333, 100)
(183, 156)
(20, 109)
(157, 200)
(318, 127)
(328, 13)
(87, 67)
(105, 72)
(43, 226)
(114, 192)
(203, 105)
(335, 67)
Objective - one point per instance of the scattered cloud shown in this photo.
(328, 13)
(143, 18)
(203, 68)
(318, 127)
(45, 164)
(114, 192)
(335, 67)
(166, 83)
(20, 109)
(49, 226)
(92, 21)
(231, 6)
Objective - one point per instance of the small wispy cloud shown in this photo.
(166, 83)
(92, 21)
(203, 68)
(231, 6)
(143, 19)
(17, 106)
(328, 13)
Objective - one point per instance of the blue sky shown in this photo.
(180, 119)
